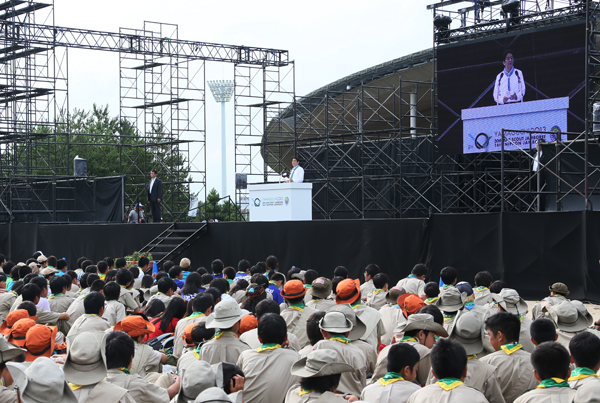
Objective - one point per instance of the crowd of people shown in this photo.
(109, 332)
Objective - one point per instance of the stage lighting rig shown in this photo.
(442, 26)
(511, 8)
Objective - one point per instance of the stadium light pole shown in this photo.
(222, 90)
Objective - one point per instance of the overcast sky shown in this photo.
(328, 39)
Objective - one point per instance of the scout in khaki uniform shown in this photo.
(551, 367)
(6, 301)
(450, 302)
(509, 301)
(40, 341)
(336, 328)
(128, 297)
(514, 370)
(376, 298)
(165, 291)
(297, 313)
(91, 320)
(8, 352)
(76, 309)
(449, 366)
(397, 384)
(483, 282)
(570, 318)
(320, 290)
(225, 346)
(415, 282)
(558, 294)
(319, 375)
(43, 381)
(197, 378)
(202, 306)
(432, 291)
(391, 314)
(468, 331)
(265, 306)
(85, 369)
(114, 311)
(58, 301)
(585, 351)
(268, 362)
(119, 357)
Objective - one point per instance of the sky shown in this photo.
(327, 40)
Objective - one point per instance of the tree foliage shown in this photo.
(220, 209)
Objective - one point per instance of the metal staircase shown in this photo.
(173, 241)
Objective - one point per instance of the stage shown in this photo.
(530, 251)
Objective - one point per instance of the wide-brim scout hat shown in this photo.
(335, 322)
(422, 321)
(560, 288)
(293, 289)
(468, 331)
(213, 395)
(8, 352)
(41, 259)
(42, 381)
(358, 327)
(18, 332)
(12, 318)
(227, 313)
(583, 311)
(48, 271)
(321, 287)
(410, 303)
(347, 291)
(300, 275)
(320, 363)
(566, 317)
(135, 326)
(40, 341)
(510, 301)
(451, 300)
(393, 294)
(86, 358)
(196, 378)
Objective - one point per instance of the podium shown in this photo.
(482, 127)
(280, 202)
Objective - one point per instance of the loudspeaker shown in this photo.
(80, 166)
(241, 181)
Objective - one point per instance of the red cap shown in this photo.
(347, 291)
(135, 326)
(293, 289)
(40, 341)
(12, 318)
(410, 303)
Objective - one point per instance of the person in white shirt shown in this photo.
(509, 86)
(297, 174)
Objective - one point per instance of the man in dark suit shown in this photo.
(155, 196)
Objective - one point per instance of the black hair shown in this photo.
(335, 282)
(29, 277)
(58, 284)
(93, 303)
(102, 266)
(14, 272)
(154, 308)
(321, 384)
(111, 275)
(24, 270)
(449, 275)
(97, 285)
(506, 53)
(120, 263)
(497, 286)
(243, 265)
(165, 285)
(585, 349)
(72, 274)
(551, 360)
(241, 284)
(193, 282)
(215, 292)
(266, 306)
(217, 266)
(120, 350)
(2, 258)
(278, 277)
(175, 309)
(415, 332)
(229, 371)
(432, 289)
(221, 284)
(251, 302)
(372, 269)
(380, 280)
(484, 279)
(292, 271)
(175, 271)
(542, 330)
(340, 271)
(124, 277)
(505, 322)
(206, 279)
(31, 308)
(147, 281)
(310, 276)
(433, 310)
(2, 277)
(61, 264)
(85, 264)
(17, 286)
(68, 280)
(161, 274)
(448, 359)
(30, 291)
(202, 301)
(256, 270)
(201, 334)
(112, 291)
(166, 266)
(402, 355)
(229, 272)
(81, 260)
(260, 279)
(135, 271)
(83, 280)
(313, 331)
(419, 270)
(110, 261)
(52, 261)
(143, 261)
(40, 282)
(91, 278)
(154, 171)
(272, 263)
(272, 328)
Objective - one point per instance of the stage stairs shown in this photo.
(172, 241)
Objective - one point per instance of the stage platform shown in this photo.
(530, 251)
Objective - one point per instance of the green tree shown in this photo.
(216, 208)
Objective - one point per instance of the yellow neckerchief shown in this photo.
(56, 295)
(448, 318)
(124, 370)
(356, 304)
(449, 383)
(75, 387)
(553, 383)
(511, 348)
(299, 306)
(102, 276)
(521, 318)
(377, 291)
(268, 346)
(582, 373)
(194, 315)
(340, 338)
(390, 378)
(304, 392)
(196, 352)
(408, 338)
(470, 357)
(93, 314)
(222, 332)
(432, 300)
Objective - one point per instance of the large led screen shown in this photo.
(529, 80)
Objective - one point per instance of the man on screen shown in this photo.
(510, 84)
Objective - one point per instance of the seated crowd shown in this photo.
(109, 332)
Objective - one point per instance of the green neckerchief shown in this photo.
(481, 288)
(469, 305)
(229, 281)
(195, 315)
(392, 375)
(307, 285)
(197, 352)
(412, 276)
(355, 304)
(272, 282)
(220, 333)
(409, 338)
(581, 373)
(268, 346)
(432, 300)
(449, 383)
(60, 294)
(340, 337)
(124, 370)
(511, 347)
(299, 306)
(553, 383)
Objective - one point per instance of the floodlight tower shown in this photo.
(222, 90)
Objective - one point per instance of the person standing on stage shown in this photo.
(155, 195)
(510, 84)
(297, 174)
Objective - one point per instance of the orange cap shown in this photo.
(12, 318)
(187, 334)
(410, 303)
(40, 341)
(293, 289)
(248, 322)
(347, 291)
(19, 331)
(135, 326)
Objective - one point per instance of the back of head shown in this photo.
(86, 263)
(272, 263)
(221, 284)
(217, 266)
(166, 266)
(229, 272)
(120, 263)
(110, 261)
(119, 350)
(154, 308)
(438, 316)
(102, 266)
(419, 270)
(112, 291)
(143, 261)
(484, 279)
(24, 271)
(340, 271)
(135, 271)
(313, 331)
(40, 282)
(335, 282)
(175, 271)
(448, 359)
(402, 355)
(310, 276)
(551, 360)
(202, 302)
(57, 285)
(147, 281)
(507, 323)
(272, 329)
(124, 277)
(97, 285)
(260, 279)
(432, 289)
(266, 306)
(206, 279)
(165, 285)
(585, 349)
(372, 269)
(292, 271)
(30, 292)
(215, 292)
(17, 286)
(543, 330)
(29, 307)
(229, 371)
(61, 264)
(497, 286)
(244, 265)
(449, 275)
(278, 277)
(200, 333)
(380, 280)
(93, 303)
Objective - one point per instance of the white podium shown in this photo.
(281, 202)
(482, 127)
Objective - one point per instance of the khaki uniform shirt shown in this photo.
(391, 317)
(60, 303)
(525, 335)
(376, 299)
(482, 297)
(260, 371)
(16, 303)
(412, 285)
(293, 396)
(423, 370)
(435, 394)
(8, 395)
(185, 361)
(397, 392)
(89, 323)
(536, 311)
(178, 342)
(350, 382)
(588, 390)
(372, 319)
(129, 298)
(321, 304)
(226, 348)
(514, 372)
(369, 352)
(139, 389)
(548, 395)
(6, 301)
(366, 288)
(146, 359)
(163, 297)
(305, 351)
(296, 322)
(72, 293)
(103, 392)
(251, 338)
(114, 312)
(76, 309)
